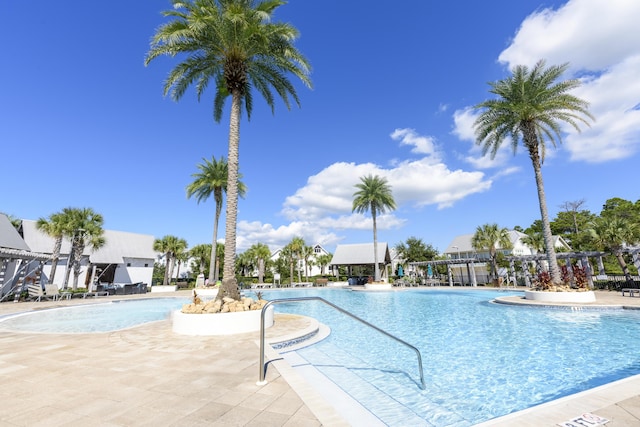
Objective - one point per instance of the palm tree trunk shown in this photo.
(376, 268)
(213, 263)
(229, 286)
(167, 260)
(623, 266)
(260, 270)
(54, 258)
(554, 270)
(291, 271)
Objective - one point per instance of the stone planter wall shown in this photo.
(220, 323)
(560, 297)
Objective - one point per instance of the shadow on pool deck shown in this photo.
(148, 375)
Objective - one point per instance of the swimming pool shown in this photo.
(100, 317)
(481, 360)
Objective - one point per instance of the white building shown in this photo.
(125, 257)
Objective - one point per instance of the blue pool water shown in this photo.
(104, 317)
(481, 359)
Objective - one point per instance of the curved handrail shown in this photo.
(285, 300)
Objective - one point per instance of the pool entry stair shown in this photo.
(371, 388)
(347, 380)
(343, 311)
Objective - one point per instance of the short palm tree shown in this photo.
(373, 195)
(234, 44)
(84, 227)
(613, 233)
(53, 227)
(170, 246)
(201, 255)
(212, 179)
(260, 253)
(296, 250)
(490, 237)
(529, 106)
(323, 261)
(535, 240)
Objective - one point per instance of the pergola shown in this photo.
(468, 262)
(525, 260)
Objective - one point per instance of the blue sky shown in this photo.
(84, 123)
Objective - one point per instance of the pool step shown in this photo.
(373, 389)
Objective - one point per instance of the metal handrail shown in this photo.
(263, 367)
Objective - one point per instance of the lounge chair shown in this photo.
(53, 291)
(96, 294)
(36, 293)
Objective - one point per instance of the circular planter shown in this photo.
(207, 292)
(560, 297)
(377, 286)
(220, 323)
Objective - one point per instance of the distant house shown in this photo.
(125, 257)
(313, 269)
(461, 248)
(359, 259)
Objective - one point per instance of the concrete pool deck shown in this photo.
(148, 375)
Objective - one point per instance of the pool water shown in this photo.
(100, 317)
(481, 360)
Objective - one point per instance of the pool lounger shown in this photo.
(631, 291)
(95, 294)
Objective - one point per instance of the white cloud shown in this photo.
(463, 121)
(325, 202)
(589, 34)
(421, 144)
(600, 41)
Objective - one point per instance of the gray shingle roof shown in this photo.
(360, 254)
(118, 244)
(9, 236)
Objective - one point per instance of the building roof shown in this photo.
(360, 254)
(119, 245)
(9, 236)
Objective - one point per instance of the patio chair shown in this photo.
(36, 293)
(52, 290)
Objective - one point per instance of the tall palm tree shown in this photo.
(84, 227)
(212, 179)
(373, 195)
(613, 233)
(53, 227)
(170, 246)
(235, 44)
(490, 237)
(530, 105)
